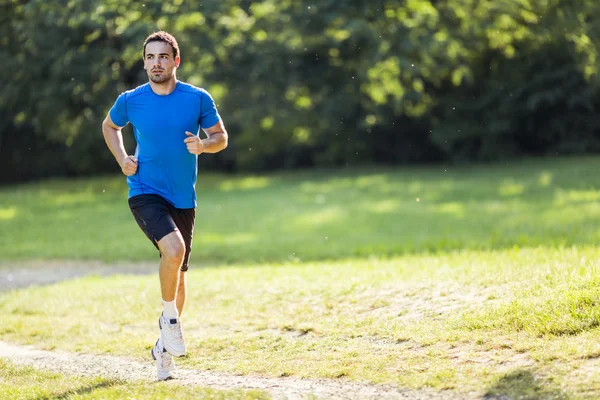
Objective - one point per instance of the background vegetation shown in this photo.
(309, 83)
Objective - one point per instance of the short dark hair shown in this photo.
(162, 36)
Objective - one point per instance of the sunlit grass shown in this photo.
(24, 383)
(319, 215)
(466, 321)
(459, 278)
(8, 213)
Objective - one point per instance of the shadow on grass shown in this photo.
(87, 389)
(523, 385)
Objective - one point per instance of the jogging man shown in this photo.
(166, 116)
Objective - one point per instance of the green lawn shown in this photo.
(489, 283)
(319, 215)
(467, 321)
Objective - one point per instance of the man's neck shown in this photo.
(164, 88)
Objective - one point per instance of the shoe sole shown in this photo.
(170, 350)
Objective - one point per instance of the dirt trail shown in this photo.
(288, 388)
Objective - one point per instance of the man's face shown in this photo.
(159, 62)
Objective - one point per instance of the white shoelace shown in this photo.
(176, 330)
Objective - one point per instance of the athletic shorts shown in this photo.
(157, 218)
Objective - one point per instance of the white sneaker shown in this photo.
(172, 336)
(165, 366)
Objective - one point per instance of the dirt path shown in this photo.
(43, 273)
(289, 388)
(279, 388)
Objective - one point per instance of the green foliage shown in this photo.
(303, 83)
(539, 100)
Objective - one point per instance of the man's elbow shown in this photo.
(225, 140)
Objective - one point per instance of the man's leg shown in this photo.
(175, 248)
(170, 281)
(184, 219)
(152, 214)
(172, 249)
(181, 290)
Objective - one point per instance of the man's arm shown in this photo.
(114, 141)
(216, 140)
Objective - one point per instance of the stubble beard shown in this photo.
(160, 78)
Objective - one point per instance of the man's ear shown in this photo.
(177, 61)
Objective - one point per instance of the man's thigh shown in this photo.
(153, 216)
(185, 220)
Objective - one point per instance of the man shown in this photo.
(166, 115)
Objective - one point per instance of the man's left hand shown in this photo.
(194, 143)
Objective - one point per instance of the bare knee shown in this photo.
(175, 253)
(172, 249)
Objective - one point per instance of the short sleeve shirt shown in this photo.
(165, 166)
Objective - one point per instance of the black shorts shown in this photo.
(157, 218)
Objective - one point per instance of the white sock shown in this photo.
(170, 310)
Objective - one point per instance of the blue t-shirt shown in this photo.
(165, 166)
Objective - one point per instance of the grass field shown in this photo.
(25, 383)
(472, 279)
(319, 215)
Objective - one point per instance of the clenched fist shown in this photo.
(194, 143)
(129, 165)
